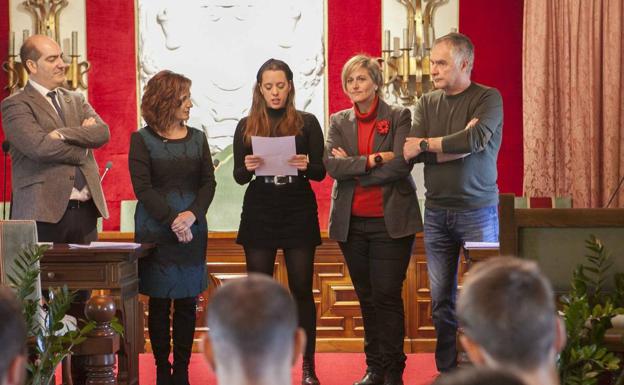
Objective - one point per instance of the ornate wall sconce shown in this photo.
(46, 15)
(406, 61)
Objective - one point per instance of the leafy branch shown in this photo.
(51, 336)
(587, 313)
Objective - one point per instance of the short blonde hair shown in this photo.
(363, 61)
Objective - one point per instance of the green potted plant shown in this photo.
(50, 338)
(587, 312)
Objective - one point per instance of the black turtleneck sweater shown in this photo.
(309, 142)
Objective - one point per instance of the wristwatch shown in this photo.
(424, 145)
(378, 159)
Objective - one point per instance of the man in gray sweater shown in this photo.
(456, 132)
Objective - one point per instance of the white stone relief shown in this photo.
(219, 45)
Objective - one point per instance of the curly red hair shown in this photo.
(161, 97)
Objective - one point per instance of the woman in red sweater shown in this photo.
(374, 213)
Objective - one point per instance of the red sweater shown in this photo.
(367, 201)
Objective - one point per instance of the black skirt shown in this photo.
(283, 216)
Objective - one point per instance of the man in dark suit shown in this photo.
(53, 132)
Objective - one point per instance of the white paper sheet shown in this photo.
(106, 245)
(275, 153)
(481, 245)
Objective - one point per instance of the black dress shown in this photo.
(170, 176)
(281, 216)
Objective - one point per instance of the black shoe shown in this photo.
(393, 381)
(394, 378)
(371, 378)
(180, 376)
(308, 375)
(163, 375)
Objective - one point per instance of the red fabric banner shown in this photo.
(495, 28)
(112, 92)
(353, 27)
(4, 55)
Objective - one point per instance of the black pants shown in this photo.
(377, 264)
(78, 225)
(300, 267)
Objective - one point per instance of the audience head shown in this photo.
(12, 339)
(506, 309)
(166, 100)
(478, 376)
(274, 89)
(253, 330)
(43, 59)
(362, 66)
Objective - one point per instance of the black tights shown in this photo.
(300, 267)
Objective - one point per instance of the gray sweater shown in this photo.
(469, 182)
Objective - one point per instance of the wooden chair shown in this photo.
(529, 202)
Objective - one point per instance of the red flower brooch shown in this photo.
(382, 127)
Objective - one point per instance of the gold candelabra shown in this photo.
(405, 62)
(46, 15)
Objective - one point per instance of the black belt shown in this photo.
(279, 180)
(76, 204)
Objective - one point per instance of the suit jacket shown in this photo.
(43, 168)
(401, 211)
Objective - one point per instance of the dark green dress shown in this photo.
(170, 176)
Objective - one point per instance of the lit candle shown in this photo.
(12, 44)
(386, 45)
(74, 39)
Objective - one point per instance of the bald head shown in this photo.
(43, 59)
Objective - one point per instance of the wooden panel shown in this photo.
(339, 326)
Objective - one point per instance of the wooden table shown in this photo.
(112, 269)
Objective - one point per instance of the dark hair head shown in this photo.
(254, 320)
(461, 47)
(12, 331)
(478, 376)
(161, 97)
(274, 65)
(258, 120)
(507, 306)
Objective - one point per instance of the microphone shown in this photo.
(615, 193)
(5, 149)
(108, 166)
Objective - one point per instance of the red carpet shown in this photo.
(331, 368)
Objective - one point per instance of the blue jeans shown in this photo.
(445, 233)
